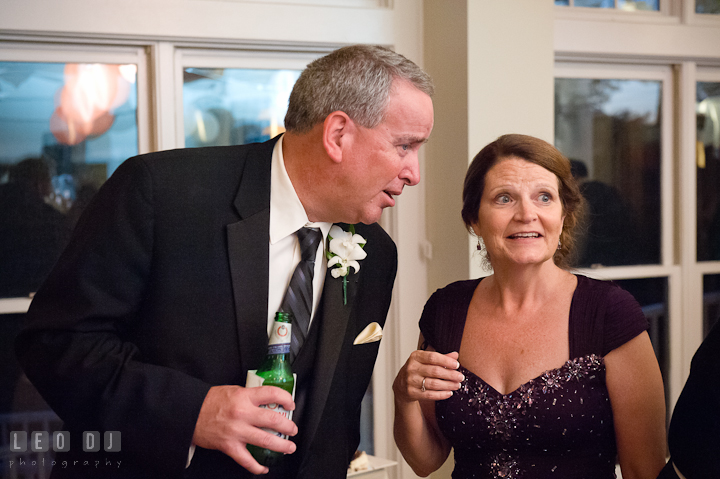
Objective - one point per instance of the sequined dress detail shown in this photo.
(557, 425)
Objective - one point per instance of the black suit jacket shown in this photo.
(694, 433)
(162, 294)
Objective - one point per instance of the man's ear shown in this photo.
(337, 131)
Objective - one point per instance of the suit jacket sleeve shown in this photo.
(76, 348)
(694, 434)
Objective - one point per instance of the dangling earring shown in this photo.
(559, 244)
(479, 245)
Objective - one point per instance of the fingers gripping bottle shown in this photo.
(275, 371)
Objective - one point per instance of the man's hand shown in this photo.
(231, 417)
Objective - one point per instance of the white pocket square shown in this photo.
(373, 332)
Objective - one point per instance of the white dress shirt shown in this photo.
(287, 215)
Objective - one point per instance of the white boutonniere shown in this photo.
(344, 251)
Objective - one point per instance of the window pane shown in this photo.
(632, 5)
(234, 106)
(563, 3)
(595, 3)
(610, 129)
(708, 171)
(711, 301)
(64, 129)
(707, 6)
(651, 293)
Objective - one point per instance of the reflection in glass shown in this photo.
(594, 3)
(651, 293)
(708, 171)
(632, 5)
(711, 301)
(610, 129)
(629, 5)
(64, 128)
(707, 6)
(234, 106)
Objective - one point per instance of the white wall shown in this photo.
(492, 62)
(205, 19)
(493, 66)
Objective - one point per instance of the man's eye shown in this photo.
(405, 147)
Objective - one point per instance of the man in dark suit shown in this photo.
(161, 304)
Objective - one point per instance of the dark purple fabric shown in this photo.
(558, 425)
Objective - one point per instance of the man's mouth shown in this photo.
(392, 194)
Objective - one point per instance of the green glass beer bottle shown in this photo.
(275, 371)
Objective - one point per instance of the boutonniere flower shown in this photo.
(344, 251)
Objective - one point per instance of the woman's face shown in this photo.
(521, 215)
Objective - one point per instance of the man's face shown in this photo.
(382, 160)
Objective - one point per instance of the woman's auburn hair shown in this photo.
(541, 153)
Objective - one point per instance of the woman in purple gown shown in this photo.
(532, 372)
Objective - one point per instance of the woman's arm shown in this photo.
(416, 431)
(637, 397)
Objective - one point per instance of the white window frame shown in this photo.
(669, 12)
(689, 75)
(668, 266)
(57, 51)
(699, 19)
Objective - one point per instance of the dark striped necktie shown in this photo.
(299, 296)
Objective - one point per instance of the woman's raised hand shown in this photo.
(428, 375)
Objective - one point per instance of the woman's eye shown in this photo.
(503, 199)
(545, 198)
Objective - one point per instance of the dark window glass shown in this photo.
(707, 6)
(651, 293)
(708, 171)
(64, 128)
(610, 130)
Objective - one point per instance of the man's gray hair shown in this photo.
(356, 80)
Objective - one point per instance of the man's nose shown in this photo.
(411, 173)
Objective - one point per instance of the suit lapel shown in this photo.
(333, 329)
(248, 252)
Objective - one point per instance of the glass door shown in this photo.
(614, 122)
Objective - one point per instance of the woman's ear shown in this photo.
(337, 132)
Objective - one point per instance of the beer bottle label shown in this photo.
(279, 342)
(279, 409)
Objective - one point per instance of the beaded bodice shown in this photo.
(558, 425)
